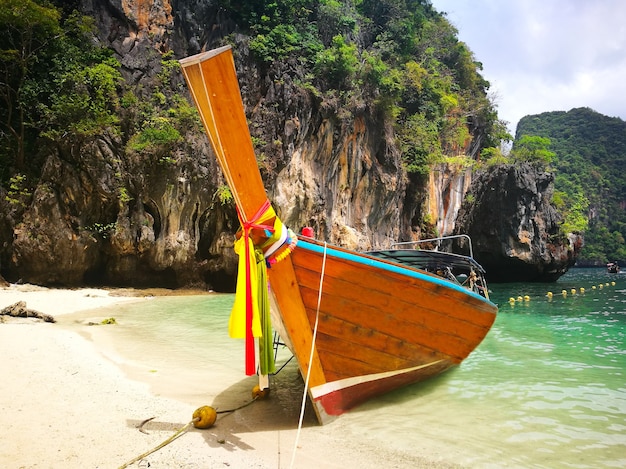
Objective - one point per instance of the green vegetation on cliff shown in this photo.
(400, 60)
(401, 55)
(60, 90)
(590, 166)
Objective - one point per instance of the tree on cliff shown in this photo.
(26, 30)
(533, 149)
(53, 81)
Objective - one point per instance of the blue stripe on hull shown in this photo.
(395, 268)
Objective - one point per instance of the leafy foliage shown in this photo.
(86, 102)
(18, 190)
(56, 85)
(532, 149)
(158, 135)
(338, 63)
(419, 143)
(27, 31)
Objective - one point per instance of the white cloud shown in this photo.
(547, 55)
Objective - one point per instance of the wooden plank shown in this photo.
(213, 81)
(283, 283)
(365, 288)
(414, 338)
(405, 314)
(372, 279)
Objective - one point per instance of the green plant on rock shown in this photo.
(338, 63)
(123, 195)
(18, 191)
(533, 149)
(167, 160)
(493, 156)
(224, 195)
(102, 229)
(276, 44)
(419, 143)
(460, 162)
(158, 137)
(257, 141)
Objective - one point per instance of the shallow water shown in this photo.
(546, 388)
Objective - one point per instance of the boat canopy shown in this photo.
(429, 260)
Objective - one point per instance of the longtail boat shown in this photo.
(359, 324)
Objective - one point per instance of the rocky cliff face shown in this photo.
(101, 215)
(447, 187)
(513, 226)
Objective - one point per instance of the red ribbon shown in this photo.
(247, 227)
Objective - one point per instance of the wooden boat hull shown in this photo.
(379, 325)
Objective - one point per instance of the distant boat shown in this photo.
(612, 267)
(359, 324)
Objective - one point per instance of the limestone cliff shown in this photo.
(514, 227)
(100, 213)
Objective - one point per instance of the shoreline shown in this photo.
(65, 403)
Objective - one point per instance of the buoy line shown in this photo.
(203, 417)
(550, 295)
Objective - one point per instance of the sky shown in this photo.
(546, 55)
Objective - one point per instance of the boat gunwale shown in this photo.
(385, 264)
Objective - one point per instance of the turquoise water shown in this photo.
(546, 388)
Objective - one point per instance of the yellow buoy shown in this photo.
(600, 286)
(549, 294)
(564, 292)
(519, 298)
(573, 291)
(526, 298)
(259, 393)
(612, 284)
(606, 284)
(206, 416)
(511, 300)
(593, 288)
(582, 289)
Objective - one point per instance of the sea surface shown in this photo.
(545, 389)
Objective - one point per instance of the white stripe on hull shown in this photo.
(338, 385)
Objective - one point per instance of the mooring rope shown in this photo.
(308, 371)
(180, 431)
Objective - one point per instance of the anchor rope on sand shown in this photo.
(203, 417)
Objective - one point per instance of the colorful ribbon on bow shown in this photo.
(250, 316)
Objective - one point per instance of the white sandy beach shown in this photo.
(65, 404)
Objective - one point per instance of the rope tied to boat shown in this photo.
(308, 370)
(262, 241)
